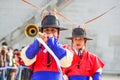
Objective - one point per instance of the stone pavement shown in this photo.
(111, 77)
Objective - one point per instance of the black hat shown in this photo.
(78, 32)
(4, 44)
(50, 21)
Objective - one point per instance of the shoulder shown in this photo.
(95, 59)
(91, 55)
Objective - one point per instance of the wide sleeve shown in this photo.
(97, 65)
(28, 54)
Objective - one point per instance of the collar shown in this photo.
(81, 51)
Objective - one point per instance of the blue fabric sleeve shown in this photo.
(58, 50)
(33, 49)
(97, 76)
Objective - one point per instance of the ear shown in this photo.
(58, 34)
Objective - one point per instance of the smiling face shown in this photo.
(79, 43)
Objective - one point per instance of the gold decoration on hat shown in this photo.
(44, 14)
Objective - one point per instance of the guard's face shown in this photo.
(51, 32)
(78, 43)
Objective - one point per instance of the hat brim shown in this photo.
(70, 38)
(51, 26)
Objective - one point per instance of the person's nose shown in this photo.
(49, 33)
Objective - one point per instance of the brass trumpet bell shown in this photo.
(31, 30)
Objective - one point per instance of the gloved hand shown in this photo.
(58, 50)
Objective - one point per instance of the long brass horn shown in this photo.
(31, 30)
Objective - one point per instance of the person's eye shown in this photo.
(45, 30)
(53, 30)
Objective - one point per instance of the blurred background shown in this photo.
(15, 14)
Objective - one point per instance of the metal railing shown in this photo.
(22, 73)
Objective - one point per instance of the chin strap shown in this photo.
(97, 76)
